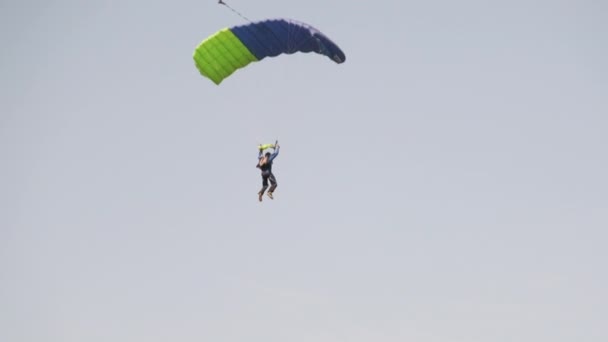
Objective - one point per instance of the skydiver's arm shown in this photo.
(275, 154)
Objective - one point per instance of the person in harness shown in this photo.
(265, 165)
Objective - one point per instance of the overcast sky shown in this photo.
(448, 182)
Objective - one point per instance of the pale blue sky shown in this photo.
(447, 183)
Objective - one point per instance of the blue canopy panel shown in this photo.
(272, 37)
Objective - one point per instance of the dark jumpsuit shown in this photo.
(267, 172)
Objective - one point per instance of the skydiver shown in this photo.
(265, 165)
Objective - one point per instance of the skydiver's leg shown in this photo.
(273, 185)
(264, 186)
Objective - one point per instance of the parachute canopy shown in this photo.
(229, 49)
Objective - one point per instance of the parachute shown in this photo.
(229, 49)
(266, 146)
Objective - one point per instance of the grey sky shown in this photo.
(446, 183)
